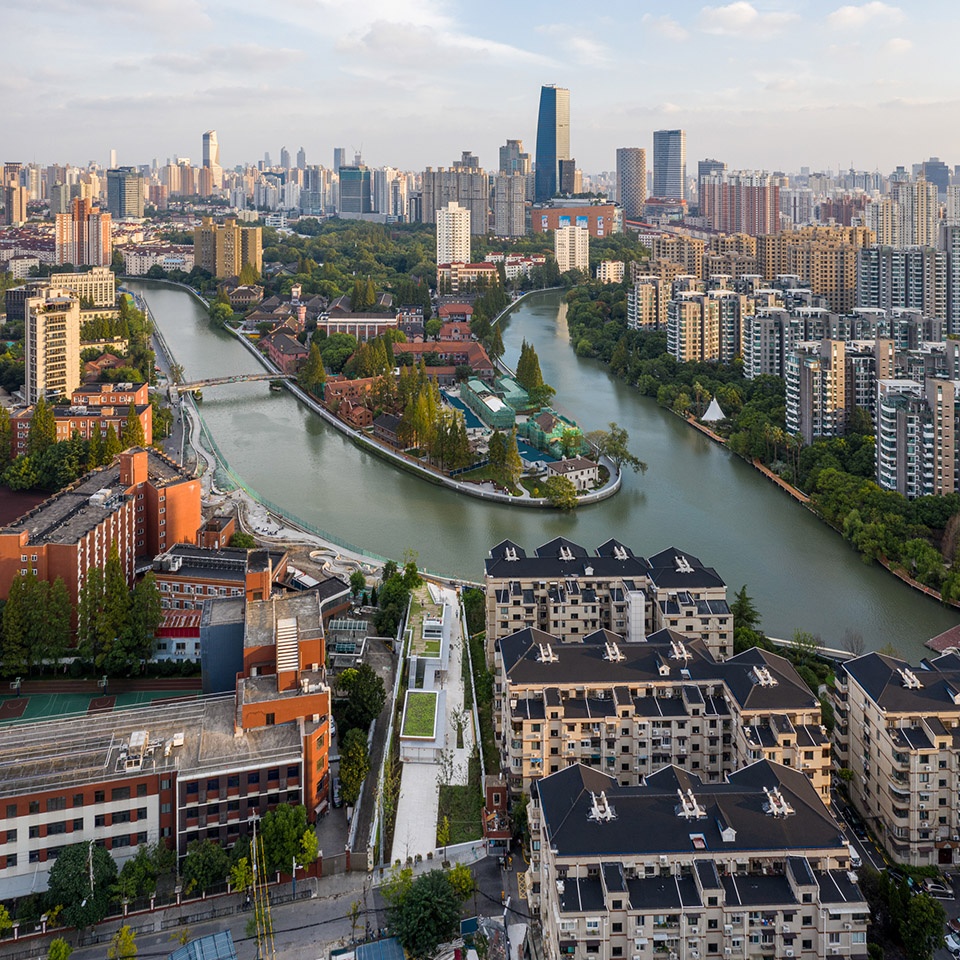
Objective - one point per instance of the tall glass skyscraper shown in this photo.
(553, 139)
(670, 164)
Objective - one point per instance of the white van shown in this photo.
(855, 860)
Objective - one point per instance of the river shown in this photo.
(695, 495)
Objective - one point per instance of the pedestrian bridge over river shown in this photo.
(176, 389)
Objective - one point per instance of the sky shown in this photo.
(760, 84)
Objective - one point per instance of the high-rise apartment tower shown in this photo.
(632, 181)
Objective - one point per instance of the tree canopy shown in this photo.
(84, 902)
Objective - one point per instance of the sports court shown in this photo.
(48, 706)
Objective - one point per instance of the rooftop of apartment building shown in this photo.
(227, 563)
(763, 807)
(678, 893)
(79, 508)
(186, 736)
(896, 687)
(756, 679)
(562, 559)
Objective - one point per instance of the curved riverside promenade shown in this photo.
(483, 491)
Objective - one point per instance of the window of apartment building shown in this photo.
(141, 813)
(807, 944)
(120, 816)
(120, 793)
(141, 789)
(142, 837)
(11, 859)
(11, 810)
(273, 774)
(253, 778)
(165, 784)
(34, 856)
(293, 771)
(34, 806)
(193, 789)
(233, 782)
(78, 799)
(10, 836)
(807, 898)
(100, 820)
(213, 784)
(617, 952)
(164, 807)
(122, 841)
(271, 719)
(833, 937)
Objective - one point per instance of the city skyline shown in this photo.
(844, 77)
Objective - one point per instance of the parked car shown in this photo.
(952, 942)
(337, 798)
(936, 889)
(898, 877)
(953, 926)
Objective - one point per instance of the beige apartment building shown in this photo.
(748, 868)
(98, 287)
(693, 328)
(567, 592)
(630, 709)
(51, 344)
(225, 248)
(647, 303)
(898, 733)
(686, 251)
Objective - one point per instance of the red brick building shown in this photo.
(141, 503)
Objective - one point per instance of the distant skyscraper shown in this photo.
(453, 234)
(82, 236)
(509, 207)
(704, 169)
(285, 158)
(356, 189)
(632, 180)
(553, 139)
(211, 157)
(301, 159)
(267, 163)
(113, 158)
(670, 164)
(567, 177)
(936, 171)
(339, 158)
(513, 159)
(125, 192)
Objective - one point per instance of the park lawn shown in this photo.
(431, 648)
(487, 473)
(463, 805)
(419, 716)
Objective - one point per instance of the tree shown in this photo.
(282, 830)
(358, 582)
(21, 474)
(309, 848)
(853, 642)
(112, 447)
(512, 465)
(59, 949)
(122, 946)
(6, 923)
(85, 902)
(6, 438)
(354, 764)
(205, 865)
(427, 915)
(313, 375)
(531, 379)
(244, 541)
(745, 613)
(43, 429)
(241, 875)
(133, 435)
(462, 881)
(804, 647)
(612, 444)
(922, 927)
(144, 616)
(560, 492)
(365, 692)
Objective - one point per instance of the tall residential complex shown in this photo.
(704, 169)
(950, 244)
(211, 157)
(453, 234)
(509, 205)
(464, 183)
(916, 437)
(631, 181)
(741, 202)
(920, 212)
(51, 344)
(83, 236)
(571, 246)
(670, 164)
(904, 278)
(125, 193)
(553, 139)
(225, 248)
(339, 158)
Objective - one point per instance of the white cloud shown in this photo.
(897, 46)
(851, 17)
(665, 26)
(585, 50)
(742, 19)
